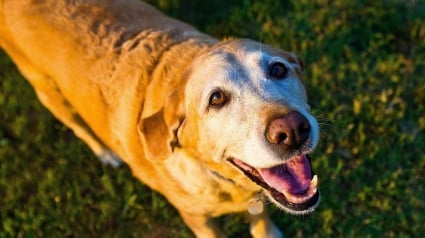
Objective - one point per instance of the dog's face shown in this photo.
(246, 107)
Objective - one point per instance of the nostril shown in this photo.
(282, 137)
(276, 137)
(303, 132)
(304, 128)
(277, 132)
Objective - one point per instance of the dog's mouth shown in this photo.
(291, 185)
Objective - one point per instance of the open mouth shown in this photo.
(291, 185)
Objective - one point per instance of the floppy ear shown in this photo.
(158, 137)
(158, 131)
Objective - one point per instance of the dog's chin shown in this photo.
(292, 186)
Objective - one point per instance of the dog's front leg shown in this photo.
(262, 226)
(201, 226)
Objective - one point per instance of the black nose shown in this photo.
(289, 131)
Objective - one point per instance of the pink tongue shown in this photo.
(294, 176)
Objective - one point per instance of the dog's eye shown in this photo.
(218, 98)
(278, 70)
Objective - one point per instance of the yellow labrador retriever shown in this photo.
(212, 125)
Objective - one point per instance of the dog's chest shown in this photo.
(206, 188)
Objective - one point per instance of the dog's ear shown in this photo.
(158, 128)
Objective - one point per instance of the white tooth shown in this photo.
(314, 181)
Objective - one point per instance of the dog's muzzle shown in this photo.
(292, 185)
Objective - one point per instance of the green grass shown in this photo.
(365, 74)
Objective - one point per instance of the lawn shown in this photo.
(365, 74)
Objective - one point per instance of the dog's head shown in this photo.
(245, 106)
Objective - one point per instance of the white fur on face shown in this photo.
(237, 129)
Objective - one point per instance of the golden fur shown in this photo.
(127, 80)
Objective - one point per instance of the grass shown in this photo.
(365, 74)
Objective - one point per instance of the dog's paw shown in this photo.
(108, 157)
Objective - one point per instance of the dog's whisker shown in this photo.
(261, 42)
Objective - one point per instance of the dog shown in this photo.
(214, 126)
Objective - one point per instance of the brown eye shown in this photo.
(218, 98)
(278, 70)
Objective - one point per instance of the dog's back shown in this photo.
(87, 60)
